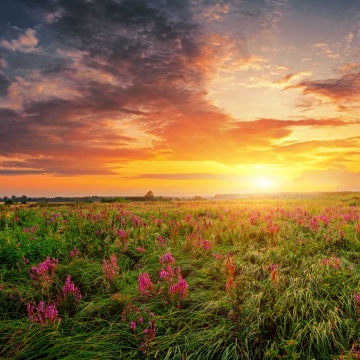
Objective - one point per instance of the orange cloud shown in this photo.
(26, 42)
(344, 92)
(291, 77)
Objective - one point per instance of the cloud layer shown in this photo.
(87, 87)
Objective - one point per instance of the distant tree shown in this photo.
(149, 196)
(197, 197)
(8, 201)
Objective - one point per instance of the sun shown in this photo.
(263, 182)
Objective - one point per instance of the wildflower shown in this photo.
(274, 274)
(70, 289)
(180, 288)
(42, 274)
(273, 229)
(145, 286)
(167, 258)
(110, 268)
(333, 262)
(161, 240)
(42, 314)
(44, 269)
(207, 245)
(74, 252)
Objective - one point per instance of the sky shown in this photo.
(181, 97)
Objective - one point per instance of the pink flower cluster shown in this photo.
(110, 268)
(149, 332)
(145, 286)
(272, 229)
(42, 314)
(357, 304)
(44, 270)
(122, 242)
(121, 233)
(145, 334)
(136, 221)
(166, 259)
(161, 240)
(167, 274)
(70, 289)
(169, 288)
(217, 256)
(181, 288)
(333, 262)
(196, 241)
(74, 252)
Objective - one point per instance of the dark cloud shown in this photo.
(4, 85)
(115, 62)
(14, 14)
(20, 172)
(345, 88)
(112, 81)
(336, 8)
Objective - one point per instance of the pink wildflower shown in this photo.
(74, 252)
(70, 288)
(110, 268)
(167, 258)
(145, 286)
(42, 314)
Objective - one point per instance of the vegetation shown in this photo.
(250, 279)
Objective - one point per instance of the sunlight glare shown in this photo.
(263, 182)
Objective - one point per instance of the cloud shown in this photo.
(343, 89)
(4, 84)
(325, 50)
(99, 85)
(347, 68)
(117, 81)
(348, 41)
(26, 42)
(3, 64)
(287, 79)
(127, 81)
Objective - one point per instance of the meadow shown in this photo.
(250, 279)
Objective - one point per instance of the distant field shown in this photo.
(245, 279)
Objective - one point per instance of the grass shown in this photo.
(292, 270)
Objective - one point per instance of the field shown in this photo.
(250, 279)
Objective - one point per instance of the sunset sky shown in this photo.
(181, 97)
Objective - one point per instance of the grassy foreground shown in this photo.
(181, 280)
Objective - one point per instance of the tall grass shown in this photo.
(266, 280)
